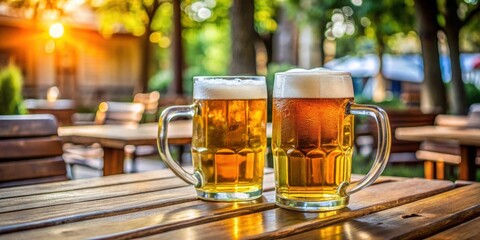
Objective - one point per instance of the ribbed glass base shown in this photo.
(312, 206)
(229, 196)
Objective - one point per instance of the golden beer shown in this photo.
(228, 139)
(312, 147)
(228, 145)
(312, 139)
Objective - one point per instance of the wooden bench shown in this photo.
(31, 151)
(403, 151)
(108, 113)
(438, 155)
(150, 101)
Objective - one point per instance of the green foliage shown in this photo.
(472, 92)
(160, 81)
(162, 19)
(314, 12)
(381, 19)
(361, 165)
(364, 45)
(129, 15)
(206, 39)
(265, 16)
(470, 36)
(344, 46)
(393, 103)
(219, 11)
(207, 51)
(11, 100)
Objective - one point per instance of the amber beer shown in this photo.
(312, 139)
(229, 137)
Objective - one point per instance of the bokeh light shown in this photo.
(56, 30)
(50, 46)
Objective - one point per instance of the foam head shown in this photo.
(226, 88)
(314, 83)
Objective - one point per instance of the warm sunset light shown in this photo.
(56, 30)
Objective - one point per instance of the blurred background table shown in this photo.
(62, 109)
(158, 205)
(467, 138)
(114, 138)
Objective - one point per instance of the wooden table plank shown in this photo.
(51, 215)
(84, 183)
(415, 220)
(98, 182)
(154, 207)
(466, 136)
(63, 213)
(60, 214)
(96, 191)
(281, 222)
(162, 218)
(83, 195)
(468, 230)
(77, 211)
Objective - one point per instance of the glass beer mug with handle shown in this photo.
(228, 140)
(312, 139)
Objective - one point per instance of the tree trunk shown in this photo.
(178, 64)
(285, 40)
(142, 85)
(242, 33)
(433, 97)
(146, 69)
(380, 89)
(458, 100)
(321, 40)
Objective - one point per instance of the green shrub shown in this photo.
(394, 103)
(161, 81)
(473, 93)
(11, 99)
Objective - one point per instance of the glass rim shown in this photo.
(233, 77)
(323, 73)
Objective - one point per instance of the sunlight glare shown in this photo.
(56, 30)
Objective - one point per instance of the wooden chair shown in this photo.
(404, 151)
(119, 113)
(150, 101)
(439, 156)
(110, 113)
(31, 151)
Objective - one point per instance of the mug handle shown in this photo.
(384, 142)
(162, 143)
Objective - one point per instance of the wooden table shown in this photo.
(114, 138)
(62, 109)
(467, 138)
(158, 205)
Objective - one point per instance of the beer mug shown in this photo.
(229, 137)
(312, 139)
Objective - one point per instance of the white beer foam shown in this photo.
(220, 88)
(314, 83)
